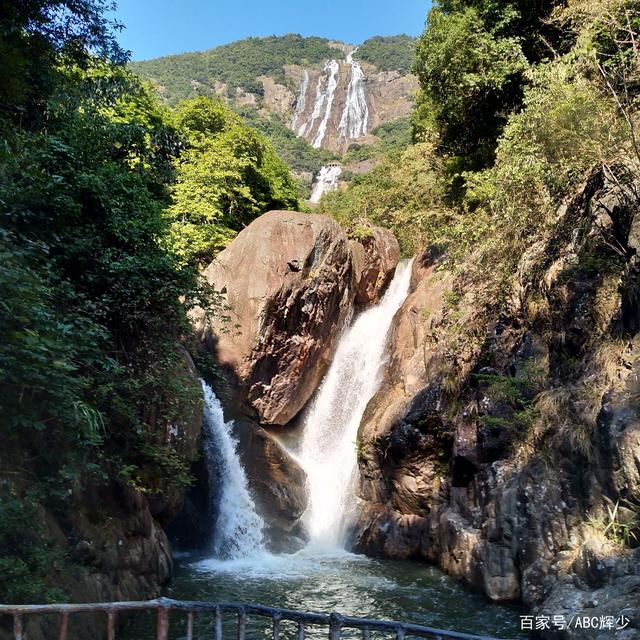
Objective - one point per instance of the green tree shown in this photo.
(473, 61)
(94, 305)
(229, 175)
(471, 80)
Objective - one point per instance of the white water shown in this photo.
(301, 105)
(238, 528)
(355, 117)
(326, 180)
(324, 101)
(328, 453)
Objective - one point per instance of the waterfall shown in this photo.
(355, 117)
(329, 452)
(301, 105)
(326, 180)
(354, 121)
(324, 101)
(238, 528)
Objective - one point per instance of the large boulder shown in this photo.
(278, 486)
(288, 283)
(376, 254)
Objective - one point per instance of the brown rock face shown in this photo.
(452, 471)
(277, 98)
(376, 257)
(390, 95)
(288, 281)
(277, 485)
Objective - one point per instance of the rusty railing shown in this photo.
(164, 606)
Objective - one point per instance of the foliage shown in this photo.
(92, 298)
(394, 136)
(35, 37)
(402, 193)
(238, 65)
(515, 393)
(566, 127)
(296, 152)
(470, 80)
(621, 533)
(94, 305)
(472, 61)
(389, 53)
(229, 175)
(29, 559)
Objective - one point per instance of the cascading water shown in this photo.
(324, 101)
(301, 105)
(328, 452)
(322, 576)
(355, 117)
(354, 120)
(326, 180)
(238, 528)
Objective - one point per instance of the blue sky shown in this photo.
(161, 27)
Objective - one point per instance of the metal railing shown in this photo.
(164, 606)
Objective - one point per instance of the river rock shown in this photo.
(277, 484)
(288, 283)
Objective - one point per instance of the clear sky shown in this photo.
(161, 27)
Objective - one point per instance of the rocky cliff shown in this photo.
(289, 283)
(506, 449)
(331, 94)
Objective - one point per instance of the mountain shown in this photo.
(329, 94)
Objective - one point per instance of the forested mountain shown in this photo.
(285, 87)
(240, 65)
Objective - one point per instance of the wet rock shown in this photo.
(277, 484)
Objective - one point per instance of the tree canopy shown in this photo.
(228, 176)
(98, 182)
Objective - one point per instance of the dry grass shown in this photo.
(607, 359)
(570, 414)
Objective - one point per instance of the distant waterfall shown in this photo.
(321, 122)
(324, 101)
(238, 528)
(301, 105)
(355, 117)
(328, 452)
(327, 180)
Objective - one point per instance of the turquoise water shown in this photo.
(346, 583)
